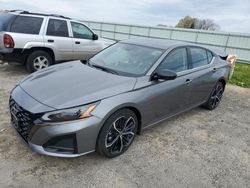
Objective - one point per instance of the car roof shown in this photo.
(155, 43)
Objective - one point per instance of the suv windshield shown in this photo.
(126, 59)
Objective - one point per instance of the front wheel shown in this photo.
(117, 133)
(38, 60)
(215, 96)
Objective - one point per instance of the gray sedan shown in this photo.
(75, 108)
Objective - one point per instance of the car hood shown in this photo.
(72, 84)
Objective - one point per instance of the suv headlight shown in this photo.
(69, 114)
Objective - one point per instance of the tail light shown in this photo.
(8, 41)
(230, 66)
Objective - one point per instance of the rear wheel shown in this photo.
(117, 133)
(38, 60)
(215, 96)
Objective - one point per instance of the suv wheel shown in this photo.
(117, 133)
(38, 60)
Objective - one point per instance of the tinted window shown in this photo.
(199, 57)
(26, 24)
(175, 61)
(5, 19)
(209, 56)
(81, 31)
(58, 28)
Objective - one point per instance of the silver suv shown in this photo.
(40, 40)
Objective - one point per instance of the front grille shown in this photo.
(21, 119)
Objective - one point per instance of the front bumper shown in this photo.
(42, 136)
(66, 139)
(40, 150)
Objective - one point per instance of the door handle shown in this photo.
(50, 40)
(214, 69)
(77, 42)
(188, 81)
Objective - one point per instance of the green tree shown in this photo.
(195, 23)
(187, 22)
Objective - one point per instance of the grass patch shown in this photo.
(241, 76)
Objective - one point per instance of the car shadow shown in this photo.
(16, 70)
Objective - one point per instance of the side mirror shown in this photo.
(95, 37)
(163, 74)
(84, 61)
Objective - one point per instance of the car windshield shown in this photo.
(126, 59)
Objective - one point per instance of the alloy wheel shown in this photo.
(216, 95)
(40, 62)
(120, 135)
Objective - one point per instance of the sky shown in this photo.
(231, 15)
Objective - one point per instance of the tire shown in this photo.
(38, 60)
(117, 133)
(215, 97)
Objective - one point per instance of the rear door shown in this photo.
(83, 42)
(57, 37)
(202, 75)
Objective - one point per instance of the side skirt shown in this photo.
(166, 118)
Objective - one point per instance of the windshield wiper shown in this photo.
(104, 69)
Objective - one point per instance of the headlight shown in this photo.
(69, 114)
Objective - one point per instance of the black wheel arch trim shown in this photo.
(46, 49)
(223, 81)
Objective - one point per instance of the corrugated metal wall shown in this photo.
(233, 43)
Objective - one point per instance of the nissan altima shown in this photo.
(72, 109)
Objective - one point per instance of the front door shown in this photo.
(169, 97)
(83, 42)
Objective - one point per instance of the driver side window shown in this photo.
(81, 31)
(175, 61)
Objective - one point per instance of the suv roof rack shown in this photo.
(20, 11)
(39, 14)
(57, 15)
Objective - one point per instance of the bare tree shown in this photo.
(187, 22)
(207, 24)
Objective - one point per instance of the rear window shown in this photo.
(209, 56)
(58, 28)
(199, 57)
(5, 19)
(27, 25)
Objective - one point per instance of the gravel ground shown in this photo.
(199, 148)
